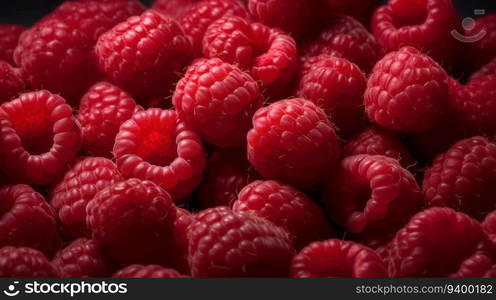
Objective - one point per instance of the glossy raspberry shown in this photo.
(38, 137)
(196, 21)
(11, 82)
(425, 25)
(376, 141)
(371, 196)
(337, 86)
(174, 8)
(345, 37)
(148, 271)
(78, 186)
(218, 100)
(463, 178)
(24, 215)
(102, 111)
(483, 50)
(292, 141)
(227, 173)
(269, 54)
(9, 36)
(406, 92)
(144, 54)
(293, 16)
(156, 145)
(82, 258)
(133, 221)
(25, 262)
(336, 258)
(285, 206)
(228, 244)
(440, 242)
(487, 69)
(180, 244)
(475, 105)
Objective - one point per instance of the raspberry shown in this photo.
(217, 100)
(489, 226)
(286, 207)
(337, 86)
(180, 244)
(440, 242)
(292, 141)
(488, 69)
(82, 258)
(9, 36)
(156, 145)
(336, 258)
(11, 82)
(228, 172)
(463, 178)
(475, 104)
(102, 111)
(377, 141)
(144, 54)
(24, 215)
(149, 271)
(345, 37)
(269, 54)
(423, 24)
(25, 262)
(174, 8)
(371, 196)
(133, 221)
(223, 243)
(79, 185)
(293, 16)
(406, 91)
(196, 21)
(482, 51)
(38, 137)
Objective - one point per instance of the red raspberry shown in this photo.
(82, 258)
(475, 105)
(25, 262)
(180, 244)
(144, 54)
(292, 141)
(345, 37)
(228, 172)
(223, 243)
(269, 54)
(38, 137)
(133, 221)
(335, 258)
(102, 111)
(286, 207)
(463, 178)
(11, 82)
(377, 141)
(217, 100)
(196, 21)
(371, 196)
(336, 85)
(9, 36)
(293, 16)
(488, 69)
(482, 51)
(358, 9)
(423, 24)
(149, 271)
(156, 145)
(489, 226)
(70, 196)
(174, 8)
(24, 215)
(440, 242)
(407, 91)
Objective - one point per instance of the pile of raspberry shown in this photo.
(259, 138)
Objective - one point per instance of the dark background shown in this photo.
(27, 12)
